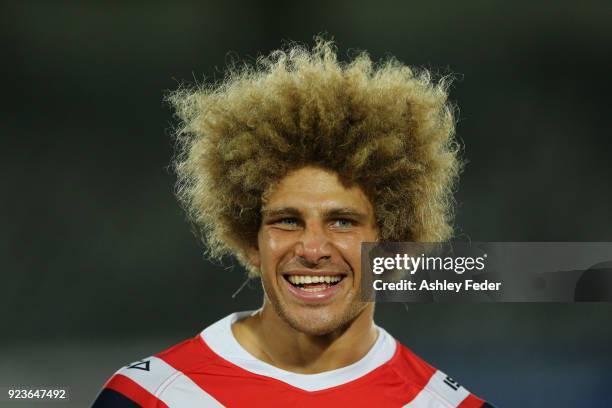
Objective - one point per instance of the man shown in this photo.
(289, 166)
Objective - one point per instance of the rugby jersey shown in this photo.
(214, 370)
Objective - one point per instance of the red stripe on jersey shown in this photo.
(471, 401)
(411, 367)
(188, 355)
(135, 392)
(415, 372)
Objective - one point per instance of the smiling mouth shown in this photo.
(314, 283)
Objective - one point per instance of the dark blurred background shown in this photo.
(99, 267)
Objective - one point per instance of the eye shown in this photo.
(286, 223)
(343, 223)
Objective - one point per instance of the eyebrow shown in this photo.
(331, 213)
(281, 211)
(346, 212)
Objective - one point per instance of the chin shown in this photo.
(316, 322)
(313, 327)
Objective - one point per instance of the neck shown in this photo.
(269, 338)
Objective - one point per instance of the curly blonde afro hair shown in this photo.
(385, 127)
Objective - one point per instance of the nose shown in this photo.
(313, 247)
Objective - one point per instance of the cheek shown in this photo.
(274, 245)
(350, 247)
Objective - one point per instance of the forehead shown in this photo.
(311, 187)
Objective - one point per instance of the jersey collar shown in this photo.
(220, 338)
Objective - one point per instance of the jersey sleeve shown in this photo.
(434, 388)
(110, 398)
(442, 391)
(136, 385)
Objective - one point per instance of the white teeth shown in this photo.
(313, 289)
(301, 279)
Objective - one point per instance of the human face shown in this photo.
(309, 250)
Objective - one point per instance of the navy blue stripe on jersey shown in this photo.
(112, 399)
(487, 405)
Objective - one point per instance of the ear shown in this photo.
(253, 256)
